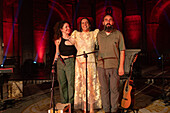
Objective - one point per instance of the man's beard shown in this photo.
(108, 28)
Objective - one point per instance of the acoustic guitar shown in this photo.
(126, 100)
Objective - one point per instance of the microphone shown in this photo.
(53, 69)
(61, 59)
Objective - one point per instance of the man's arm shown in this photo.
(121, 65)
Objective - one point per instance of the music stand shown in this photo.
(129, 53)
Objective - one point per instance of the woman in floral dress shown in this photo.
(85, 41)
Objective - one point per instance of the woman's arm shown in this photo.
(72, 38)
(56, 42)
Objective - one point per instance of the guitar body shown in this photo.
(126, 100)
(128, 96)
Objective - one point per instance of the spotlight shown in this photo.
(2, 65)
(34, 62)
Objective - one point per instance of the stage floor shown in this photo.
(36, 95)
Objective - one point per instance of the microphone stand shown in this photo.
(52, 103)
(85, 56)
(164, 93)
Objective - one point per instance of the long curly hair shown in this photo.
(57, 29)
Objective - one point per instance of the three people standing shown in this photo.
(110, 65)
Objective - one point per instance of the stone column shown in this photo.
(151, 36)
(133, 31)
(1, 31)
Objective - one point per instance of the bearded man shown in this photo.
(110, 64)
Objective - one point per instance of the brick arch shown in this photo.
(61, 11)
(157, 10)
(100, 12)
(153, 25)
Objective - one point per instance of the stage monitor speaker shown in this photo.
(129, 53)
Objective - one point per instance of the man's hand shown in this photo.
(121, 71)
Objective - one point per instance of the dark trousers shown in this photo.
(66, 76)
(109, 81)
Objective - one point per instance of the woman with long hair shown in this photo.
(85, 40)
(64, 56)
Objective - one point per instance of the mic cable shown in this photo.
(61, 59)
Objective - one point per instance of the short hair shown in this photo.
(80, 28)
(107, 15)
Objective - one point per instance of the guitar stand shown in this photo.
(131, 108)
(131, 105)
